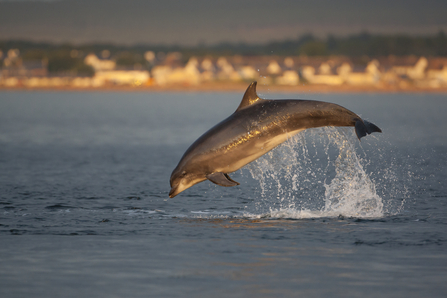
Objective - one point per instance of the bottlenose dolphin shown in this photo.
(256, 127)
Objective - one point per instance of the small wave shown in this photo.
(135, 211)
(275, 214)
(292, 214)
(59, 207)
(288, 214)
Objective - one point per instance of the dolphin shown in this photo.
(256, 127)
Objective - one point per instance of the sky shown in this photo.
(192, 22)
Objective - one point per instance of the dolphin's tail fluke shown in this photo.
(363, 128)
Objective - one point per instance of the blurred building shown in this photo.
(166, 69)
(99, 64)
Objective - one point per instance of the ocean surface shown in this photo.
(84, 207)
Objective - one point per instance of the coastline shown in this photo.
(234, 87)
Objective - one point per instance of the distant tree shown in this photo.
(314, 48)
(34, 54)
(61, 61)
(83, 69)
(331, 43)
(128, 58)
(356, 45)
(441, 44)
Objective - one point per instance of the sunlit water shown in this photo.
(84, 207)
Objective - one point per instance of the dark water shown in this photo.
(84, 207)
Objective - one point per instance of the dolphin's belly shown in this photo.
(238, 156)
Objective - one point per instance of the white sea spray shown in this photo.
(315, 174)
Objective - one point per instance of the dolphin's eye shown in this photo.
(183, 174)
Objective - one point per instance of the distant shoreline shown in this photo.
(236, 87)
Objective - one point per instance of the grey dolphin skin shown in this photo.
(256, 127)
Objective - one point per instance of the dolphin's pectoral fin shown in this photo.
(363, 128)
(229, 178)
(221, 179)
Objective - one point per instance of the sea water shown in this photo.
(84, 207)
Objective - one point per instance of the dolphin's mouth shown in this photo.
(173, 191)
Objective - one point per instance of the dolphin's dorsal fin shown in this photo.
(250, 97)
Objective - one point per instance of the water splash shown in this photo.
(351, 192)
(315, 174)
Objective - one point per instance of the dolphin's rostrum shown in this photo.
(256, 127)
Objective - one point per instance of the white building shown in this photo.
(121, 77)
(99, 64)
